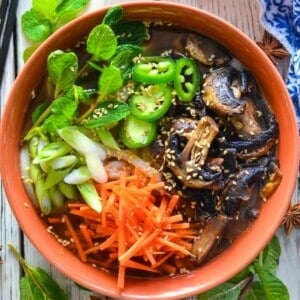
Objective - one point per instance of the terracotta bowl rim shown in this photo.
(167, 288)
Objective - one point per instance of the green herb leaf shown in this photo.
(123, 59)
(113, 15)
(28, 51)
(256, 292)
(272, 286)
(62, 68)
(68, 10)
(130, 32)
(108, 113)
(79, 94)
(109, 82)
(37, 283)
(226, 291)
(63, 111)
(38, 111)
(35, 27)
(50, 288)
(29, 290)
(271, 255)
(46, 8)
(67, 6)
(101, 42)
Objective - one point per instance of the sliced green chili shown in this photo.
(187, 79)
(154, 70)
(135, 133)
(151, 103)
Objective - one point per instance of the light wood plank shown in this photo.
(245, 15)
(9, 230)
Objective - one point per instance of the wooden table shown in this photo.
(242, 13)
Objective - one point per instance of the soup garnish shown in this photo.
(150, 148)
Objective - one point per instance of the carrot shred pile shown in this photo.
(135, 230)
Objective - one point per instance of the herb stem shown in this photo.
(87, 112)
(19, 257)
(38, 122)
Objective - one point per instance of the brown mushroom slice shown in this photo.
(246, 124)
(208, 237)
(188, 164)
(220, 94)
(206, 51)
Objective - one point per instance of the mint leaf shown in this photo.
(65, 106)
(113, 15)
(37, 283)
(271, 255)
(130, 32)
(123, 59)
(28, 51)
(226, 291)
(67, 6)
(101, 42)
(272, 286)
(256, 292)
(46, 8)
(35, 27)
(62, 68)
(29, 290)
(110, 81)
(63, 111)
(79, 94)
(108, 113)
(45, 282)
(38, 111)
(68, 10)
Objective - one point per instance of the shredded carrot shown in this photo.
(76, 239)
(86, 234)
(134, 230)
(54, 220)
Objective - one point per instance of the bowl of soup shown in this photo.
(149, 150)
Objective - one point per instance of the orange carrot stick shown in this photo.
(75, 238)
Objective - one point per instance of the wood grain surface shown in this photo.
(245, 15)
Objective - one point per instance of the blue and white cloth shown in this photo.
(281, 18)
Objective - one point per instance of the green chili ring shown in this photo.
(187, 79)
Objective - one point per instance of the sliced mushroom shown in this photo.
(241, 188)
(246, 124)
(209, 236)
(257, 145)
(187, 152)
(206, 51)
(222, 90)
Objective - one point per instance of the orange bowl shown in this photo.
(245, 248)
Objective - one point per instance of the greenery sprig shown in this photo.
(45, 17)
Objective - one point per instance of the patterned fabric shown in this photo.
(282, 19)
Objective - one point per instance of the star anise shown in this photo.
(292, 218)
(272, 47)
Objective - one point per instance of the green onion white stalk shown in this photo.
(77, 176)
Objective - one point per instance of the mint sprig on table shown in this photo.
(45, 17)
(37, 284)
(258, 281)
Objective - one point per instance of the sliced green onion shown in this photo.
(90, 195)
